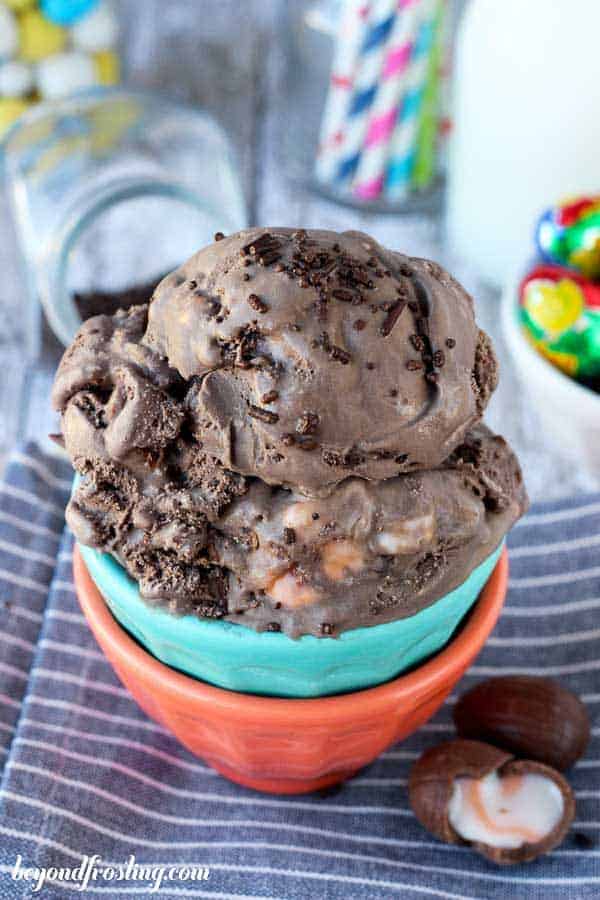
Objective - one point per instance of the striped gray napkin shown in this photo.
(85, 773)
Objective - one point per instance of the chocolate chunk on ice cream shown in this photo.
(287, 435)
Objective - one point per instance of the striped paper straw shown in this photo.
(427, 137)
(370, 63)
(347, 47)
(403, 143)
(370, 174)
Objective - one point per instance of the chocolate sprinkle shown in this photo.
(439, 359)
(272, 256)
(273, 626)
(270, 397)
(326, 628)
(413, 365)
(219, 236)
(289, 535)
(265, 415)
(343, 294)
(359, 325)
(450, 343)
(392, 317)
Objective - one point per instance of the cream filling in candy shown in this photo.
(505, 812)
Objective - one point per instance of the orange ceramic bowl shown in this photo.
(289, 746)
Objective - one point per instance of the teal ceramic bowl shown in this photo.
(235, 657)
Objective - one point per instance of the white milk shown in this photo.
(526, 123)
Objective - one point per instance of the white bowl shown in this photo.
(568, 411)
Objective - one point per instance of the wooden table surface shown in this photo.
(227, 56)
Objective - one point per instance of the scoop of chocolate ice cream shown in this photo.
(206, 541)
(287, 435)
(320, 355)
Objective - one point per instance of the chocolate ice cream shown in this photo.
(287, 435)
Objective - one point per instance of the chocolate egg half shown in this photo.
(508, 810)
(529, 716)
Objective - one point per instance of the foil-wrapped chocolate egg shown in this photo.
(560, 314)
(508, 810)
(568, 234)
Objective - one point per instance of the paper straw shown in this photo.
(370, 174)
(370, 63)
(403, 143)
(347, 47)
(427, 138)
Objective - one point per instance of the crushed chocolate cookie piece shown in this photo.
(308, 423)
(256, 303)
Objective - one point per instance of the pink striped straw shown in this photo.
(341, 82)
(370, 175)
(369, 64)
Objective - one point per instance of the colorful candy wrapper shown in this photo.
(560, 314)
(568, 234)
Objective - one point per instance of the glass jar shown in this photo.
(112, 189)
(364, 93)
